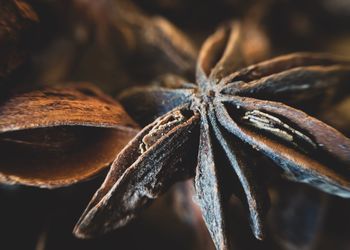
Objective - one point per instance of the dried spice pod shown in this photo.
(238, 113)
(139, 34)
(17, 23)
(170, 137)
(57, 136)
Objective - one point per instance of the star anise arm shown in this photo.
(146, 167)
(145, 104)
(226, 51)
(209, 190)
(225, 45)
(283, 63)
(229, 44)
(305, 148)
(292, 78)
(325, 137)
(177, 47)
(139, 32)
(56, 131)
(256, 195)
(123, 161)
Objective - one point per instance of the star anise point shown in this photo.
(238, 112)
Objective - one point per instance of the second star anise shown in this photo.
(238, 113)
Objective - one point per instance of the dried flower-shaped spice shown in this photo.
(238, 114)
(56, 136)
(17, 20)
(146, 36)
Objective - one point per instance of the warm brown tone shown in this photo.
(17, 20)
(238, 113)
(57, 136)
(136, 32)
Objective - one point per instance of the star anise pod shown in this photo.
(56, 136)
(17, 22)
(239, 114)
(137, 33)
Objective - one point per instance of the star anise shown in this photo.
(138, 33)
(238, 113)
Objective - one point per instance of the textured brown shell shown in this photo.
(57, 136)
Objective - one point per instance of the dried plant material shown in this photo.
(57, 136)
(236, 113)
(17, 21)
(138, 33)
(164, 159)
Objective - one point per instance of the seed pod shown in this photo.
(57, 136)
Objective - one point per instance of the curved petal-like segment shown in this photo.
(308, 150)
(175, 45)
(145, 104)
(283, 63)
(80, 105)
(300, 84)
(209, 190)
(57, 136)
(257, 197)
(220, 54)
(232, 57)
(140, 174)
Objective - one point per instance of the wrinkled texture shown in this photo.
(239, 111)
